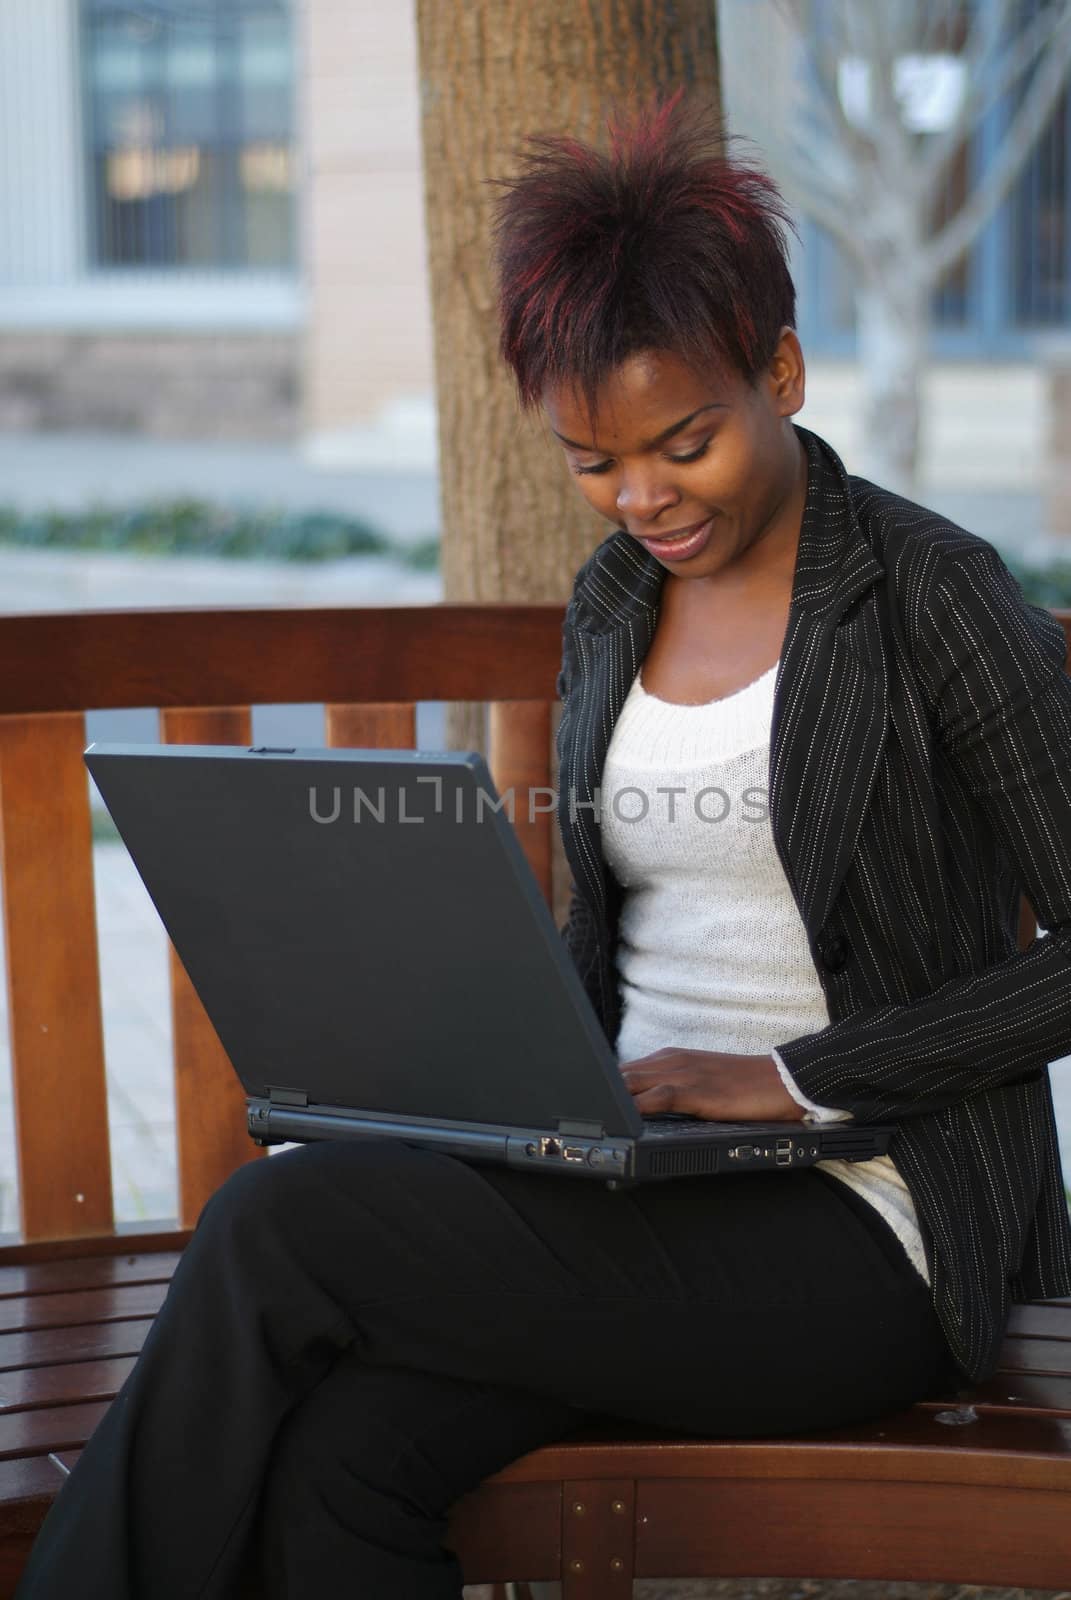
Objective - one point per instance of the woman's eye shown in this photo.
(695, 455)
(604, 466)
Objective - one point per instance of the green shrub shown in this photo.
(193, 527)
(424, 555)
(1049, 585)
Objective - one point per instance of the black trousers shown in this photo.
(359, 1333)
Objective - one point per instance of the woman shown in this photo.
(357, 1334)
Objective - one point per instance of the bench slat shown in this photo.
(35, 1433)
(45, 1347)
(128, 1237)
(315, 655)
(1018, 1391)
(985, 1534)
(999, 1447)
(71, 1310)
(34, 1478)
(210, 1105)
(519, 746)
(87, 1272)
(70, 1383)
(1036, 1355)
(61, 1116)
(1044, 1321)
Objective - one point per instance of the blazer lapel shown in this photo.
(830, 693)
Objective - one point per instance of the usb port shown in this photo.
(783, 1157)
(573, 1152)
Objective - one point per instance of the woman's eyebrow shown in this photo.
(649, 444)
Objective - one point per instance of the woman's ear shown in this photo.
(788, 374)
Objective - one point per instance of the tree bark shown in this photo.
(493, 71)
(893, 329)
(514, 527)
(893, 320)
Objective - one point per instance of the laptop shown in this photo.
(373, 950)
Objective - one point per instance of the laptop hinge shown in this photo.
(287, 1097)
(582, 1130)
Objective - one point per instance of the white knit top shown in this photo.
(713, 954)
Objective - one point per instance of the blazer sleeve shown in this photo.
(992, 668)
(811, 1112)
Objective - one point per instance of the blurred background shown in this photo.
(216, 351)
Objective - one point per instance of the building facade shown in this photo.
(211, 217)
(212, 225)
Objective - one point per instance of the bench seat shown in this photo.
(975, 1487)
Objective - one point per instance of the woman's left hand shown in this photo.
(710, 1084)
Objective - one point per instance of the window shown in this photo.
(189, 124)
(1037, 216)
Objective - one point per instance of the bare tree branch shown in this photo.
(824, 59)
(806, 193)
(931, 18)
(817, 146)
(987, 78)
(983, 38)
(960, 231)
(894, 149)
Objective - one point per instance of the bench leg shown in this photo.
(598, 1539)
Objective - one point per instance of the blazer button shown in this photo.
(835, 952)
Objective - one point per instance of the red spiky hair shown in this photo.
(664, 243)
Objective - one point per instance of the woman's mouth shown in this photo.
(680, 546)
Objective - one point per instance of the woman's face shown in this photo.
(704, 457)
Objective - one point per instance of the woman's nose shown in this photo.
(642, 496)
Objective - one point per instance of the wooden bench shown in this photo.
(974, 1487)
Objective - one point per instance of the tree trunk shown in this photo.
(893, 328)
(491, 72)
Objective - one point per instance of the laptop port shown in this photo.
(550, 1147)
(784, 1153)
(573, 1152)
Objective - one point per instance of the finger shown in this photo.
(636, 1073)
(654, 1071)
(667, 1052)
(660, 1097)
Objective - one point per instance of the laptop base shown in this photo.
(709, 1148)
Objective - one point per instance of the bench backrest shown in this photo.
(205, 669)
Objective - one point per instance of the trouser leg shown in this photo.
(363, 1474)
(744, 1306)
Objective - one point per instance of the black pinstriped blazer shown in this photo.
(920, 777)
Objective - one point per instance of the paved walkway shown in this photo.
(65, 580)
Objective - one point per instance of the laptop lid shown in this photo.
(362, 926)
